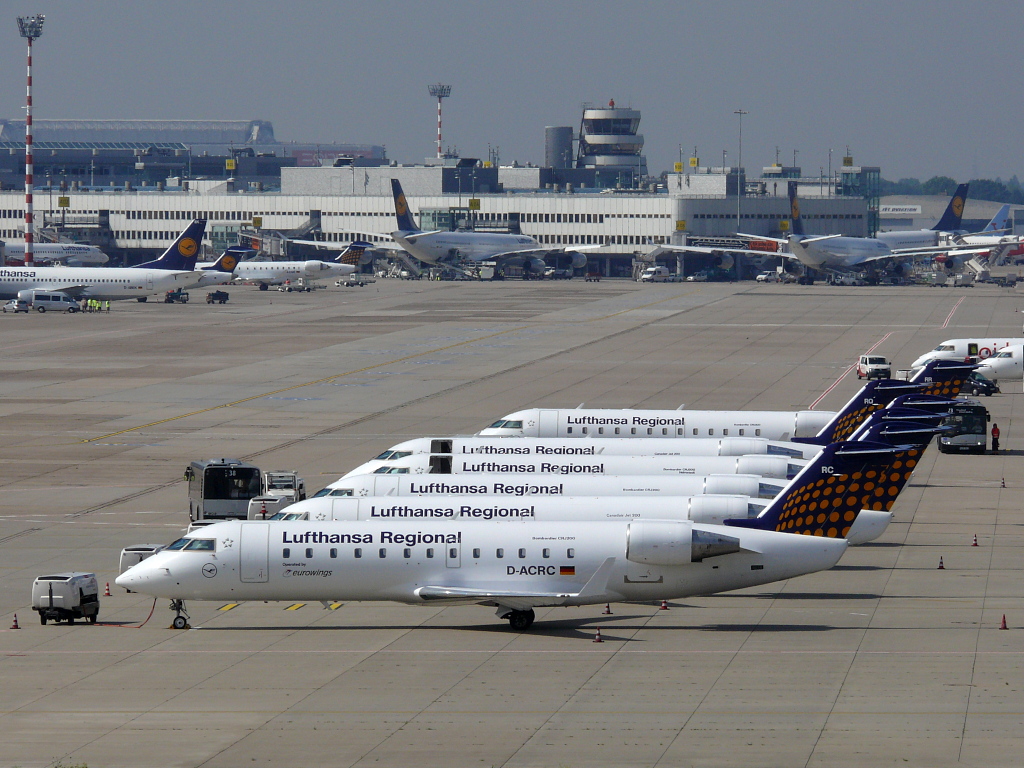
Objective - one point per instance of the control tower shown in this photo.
(609, 144)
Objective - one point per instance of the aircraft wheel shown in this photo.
(92, 619)
(40, 309)
(42, 619)
(179, 622)
(264, 287)
(521, 621)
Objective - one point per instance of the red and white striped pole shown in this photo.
(440, 92)
(438, 126)
(31, 27)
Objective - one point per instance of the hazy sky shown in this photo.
(918, 88)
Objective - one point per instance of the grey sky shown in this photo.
(919, 88)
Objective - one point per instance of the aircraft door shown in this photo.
(254, 549)
(149, 281)
(547, 424)
(453, 555)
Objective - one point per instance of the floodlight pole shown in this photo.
(739, 175)
(439, 92)
(31, 27)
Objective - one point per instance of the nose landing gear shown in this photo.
(181, 615)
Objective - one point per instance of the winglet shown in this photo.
(954, 213)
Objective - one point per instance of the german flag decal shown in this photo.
(567, 570)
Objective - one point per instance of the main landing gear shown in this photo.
(520, 621)
(181, 615)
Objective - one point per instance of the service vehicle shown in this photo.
(221, 488)
(17, 305)
(49, 301)
(768, 277)
(977, 384)
(283, 484)
(968, 428)
(217, 297)
(699, 277)
(873, 367)
(66, 597)
(266, 507)
(656, 274)
(177, 296)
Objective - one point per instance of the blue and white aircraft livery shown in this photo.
(174, 269)
(69, 254)
(441, 246)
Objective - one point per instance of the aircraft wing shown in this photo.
(70, 290)
(522, 600)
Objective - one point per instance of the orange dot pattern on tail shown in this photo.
(828, 506)
(847, 424)
(949, 388)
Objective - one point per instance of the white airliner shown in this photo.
(962, 349)
(521, 565)
(949, 223)
(1006, 365)
(171, 271)
(267, 273)
(69, 254)
(823, 426)
(442, 246)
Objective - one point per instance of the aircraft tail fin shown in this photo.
(405, 220)
(354, 253)
(872, 396)
(954, 213)
(182, 254)
(999, 222)
(794, 210)
(943, 377)
(826, 496)
(229, 259)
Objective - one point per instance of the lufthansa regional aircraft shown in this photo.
(69, 254)
(520, 565)
(440, 246)
(942, 378)
(268, 273)
(174, 269)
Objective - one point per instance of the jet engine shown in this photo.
(534, 265)
(313, 267)
(715, 509)
(577, 260)
(668, 542)
(725, 261)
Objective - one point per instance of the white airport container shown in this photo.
(66, 596)
(135, 554)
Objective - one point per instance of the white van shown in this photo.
(42, 301)
(873, 367)
(656, 275)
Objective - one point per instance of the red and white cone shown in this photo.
(607, 610)
(664, 605)
(975, 541)
(106, 592)
(941, 566)
(1001, 626)
(597, 637)
(16, 626)
(263, 509)
(1004, 482)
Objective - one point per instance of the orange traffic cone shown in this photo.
(1001, 626)
(16, 626)
(607, 610)
(106, 592)
(664, 605)
(597, 637)
(975, 541)
(1004, 482)
(941, 566)
(263, 509)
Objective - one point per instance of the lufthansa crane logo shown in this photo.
(958, 206)
(187, 247)
(401, 206)
(795, 210)
(209, 570)
(229, 263)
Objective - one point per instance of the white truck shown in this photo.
(278, 489)
(656, 274)
(66, 596)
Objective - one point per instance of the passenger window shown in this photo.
(679, 431)
(476, 553)
(382, 553)
(741, 432)
(711, 431)
(309, 553)
(632, 430)
(334, 552)
(406, 553)
(664, 430)
(500, 553)
(725, 432)
(453, 552)
(757, 432)
(650, 431)
(568, 430)
(358, 552)
(430, 553)
(286, 553)
(546, 553)
(616, 430)
(584, 430)
(600, 430)
(570, 553)
(522, 553)
(695, 431)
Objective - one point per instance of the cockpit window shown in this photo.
(392, 471)
(180, 543)
(392, 455)
(945, 348)
(322, 492)
(513, 425)
(202, 545)
(342, 492)
(1005, 354)
(499, 424)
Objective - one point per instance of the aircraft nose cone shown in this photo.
(128, 580)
